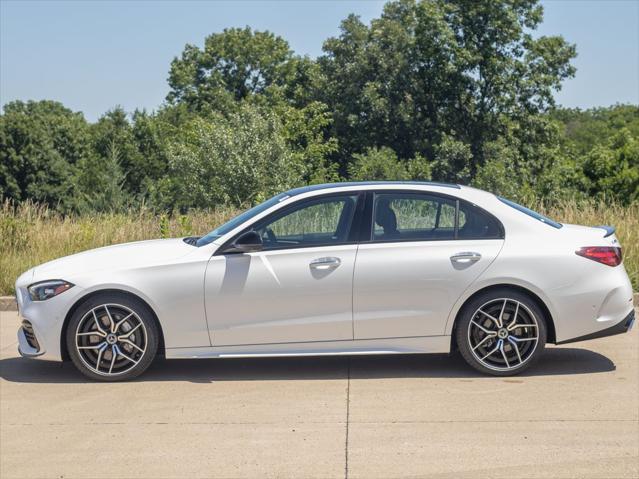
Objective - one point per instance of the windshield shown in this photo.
(239, 219)
(531, 213)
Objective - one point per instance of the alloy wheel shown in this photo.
(111, 339)
(503, 334)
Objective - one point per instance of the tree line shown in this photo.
(457, 91)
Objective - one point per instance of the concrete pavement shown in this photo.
(576, 414)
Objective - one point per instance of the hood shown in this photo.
(121, 256)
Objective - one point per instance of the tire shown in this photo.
(493, 340)
(112, 337)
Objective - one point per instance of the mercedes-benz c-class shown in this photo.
(337, 269)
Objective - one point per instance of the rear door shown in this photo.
(423, 251)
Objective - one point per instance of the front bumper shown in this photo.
(28, 345)
(43, 320)
(621, 327)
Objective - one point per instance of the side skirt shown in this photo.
(421, 344)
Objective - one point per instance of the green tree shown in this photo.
(452, 161)
(584, 129)
(613, 169)
(237, 159)
(434, 70)
(233, 65)
(378, 164)
(150, 134)
(114, 128)
(41, 144)
(242, 66)
(594, 150)
(304, 132)
(453, 90)
(101, 182)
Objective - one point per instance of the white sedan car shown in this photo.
(337, 269)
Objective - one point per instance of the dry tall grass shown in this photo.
(32, 234)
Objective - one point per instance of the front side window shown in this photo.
(416, 217)
(239, 219)
(318, 222)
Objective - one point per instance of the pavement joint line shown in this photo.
(164, 423)
(348, 413)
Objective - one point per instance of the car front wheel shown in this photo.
(501, 332)
(112, 337)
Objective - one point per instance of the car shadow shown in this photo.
(555, 361)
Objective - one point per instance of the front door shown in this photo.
(298, 288)
(423, 253)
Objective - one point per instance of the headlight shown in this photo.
(48, 289)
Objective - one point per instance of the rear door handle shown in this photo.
(465, 257)
(330, 262)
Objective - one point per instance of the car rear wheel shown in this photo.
(112, 337)
(501, 332)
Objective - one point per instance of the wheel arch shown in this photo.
(63, 336)
(550, 322)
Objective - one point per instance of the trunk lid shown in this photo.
(592, 235)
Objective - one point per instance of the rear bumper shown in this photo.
(621, 327)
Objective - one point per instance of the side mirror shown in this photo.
(247, 243)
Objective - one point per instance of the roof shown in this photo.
(326, 186)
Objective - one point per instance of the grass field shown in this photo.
(31, 234)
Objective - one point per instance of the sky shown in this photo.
(94, 55)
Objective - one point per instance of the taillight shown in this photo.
(610, 255)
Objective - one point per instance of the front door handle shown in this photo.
(329, 262)
(465, 257)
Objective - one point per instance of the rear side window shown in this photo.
(413, 217)
(531, 213)
(416, 217)
(475, 223)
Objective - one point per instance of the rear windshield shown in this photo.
(531, 213)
